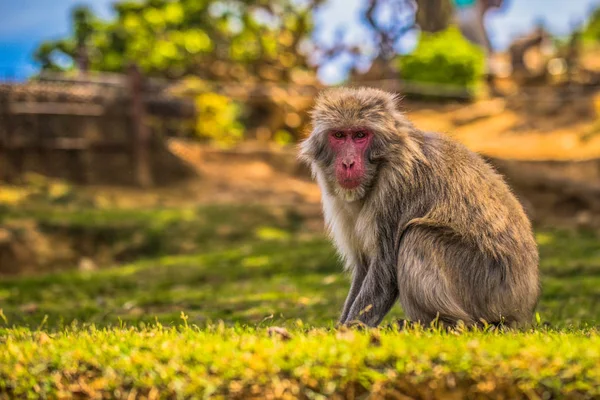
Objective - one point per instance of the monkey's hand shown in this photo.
(375, 299)
(357, 325)
(358, 277)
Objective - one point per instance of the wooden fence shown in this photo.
(90, 130)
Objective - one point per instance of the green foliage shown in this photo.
(591, 32)
(445, 59)
(59, 55)
(218, 119)
(283, 137)
(83, 24)
(212, 39)
(50, 55)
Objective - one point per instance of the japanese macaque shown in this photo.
(418, 217)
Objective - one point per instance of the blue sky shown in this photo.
(25, 23)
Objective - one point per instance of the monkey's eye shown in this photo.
(360, 135)
(338, 135)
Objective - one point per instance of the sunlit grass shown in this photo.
(242, 362)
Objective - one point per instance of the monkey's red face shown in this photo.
(349, 147)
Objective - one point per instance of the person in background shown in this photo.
(469, 15)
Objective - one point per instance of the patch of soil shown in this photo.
(497, 129)
(249, 174)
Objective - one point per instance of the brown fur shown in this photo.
(432, 225)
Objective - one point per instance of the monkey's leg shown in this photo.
(377, 295)
(358, 276)
(427, 292)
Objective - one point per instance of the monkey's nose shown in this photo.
(348, 164)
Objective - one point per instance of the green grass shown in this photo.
(255, 272)
(242, 363)
(119, 330)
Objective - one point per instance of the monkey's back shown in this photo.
(475, 210)
(474, 198)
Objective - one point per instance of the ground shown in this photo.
(495, 129)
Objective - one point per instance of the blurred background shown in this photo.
(148, 148)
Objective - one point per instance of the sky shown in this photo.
(24, 24)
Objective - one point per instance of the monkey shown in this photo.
(417, 218)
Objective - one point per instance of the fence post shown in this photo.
(4, 173)
(141, 132)
(10, 154)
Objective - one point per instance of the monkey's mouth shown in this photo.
(349, 183)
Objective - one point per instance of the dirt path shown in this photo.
(500, 132)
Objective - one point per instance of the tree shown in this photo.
(433, 15)
(83, 24)
(591, 32)
(230, 40)
(388, 34)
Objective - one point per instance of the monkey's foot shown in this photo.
(357, 325)
(400, 324)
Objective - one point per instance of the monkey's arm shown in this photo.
(358, 276)
(377, 295)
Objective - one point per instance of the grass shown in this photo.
(245, 363)
(119, 331)
(245, 265)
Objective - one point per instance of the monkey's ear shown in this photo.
(312, 148)
(306, 153)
